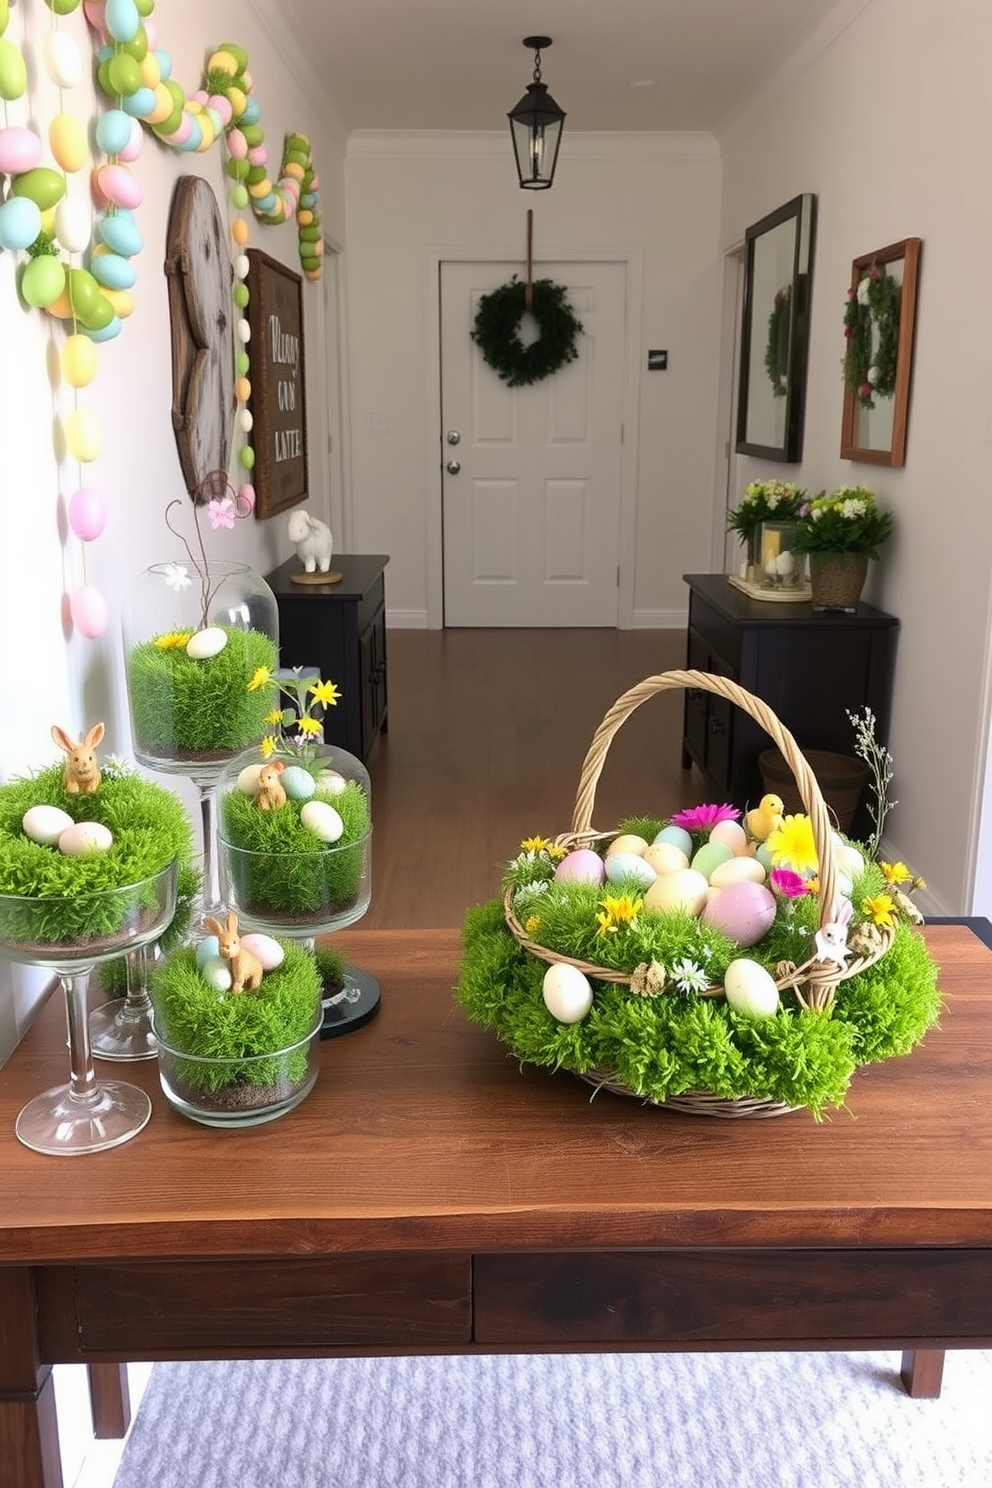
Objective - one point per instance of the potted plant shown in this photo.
(841, 531)
(763, 501)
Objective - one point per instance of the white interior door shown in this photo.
(531, 476)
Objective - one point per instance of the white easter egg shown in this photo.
(85, 837)
(731, 834)
(331, 782)
(208, 948)
(737, 870)
(666, 857)
(741, 911)
(685, 889)
(265, 947)
(848, 860)
(321, 819)
(207, 642)
(63, 59)
(629, 865)
(750, 989)
(627, 842)
(248, 779)
(216, 973)
(45, 824)
(567, 993)
(677, 836)
(298, 783)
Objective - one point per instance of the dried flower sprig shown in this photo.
(223, 505)
(879, 762)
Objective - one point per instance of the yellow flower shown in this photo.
(895, 873)
(310, 726)
(536, 844)
(325, 693)
(531, 923)
(791, 845)
(261, 678)
(881, 911)
(275, 716)
(617, 910)
(174, 641)
(268, 746)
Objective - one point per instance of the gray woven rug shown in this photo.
(562, 1421)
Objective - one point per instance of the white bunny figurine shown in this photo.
(314, 543)
(831, 940)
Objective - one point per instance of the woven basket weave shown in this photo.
(814, 982)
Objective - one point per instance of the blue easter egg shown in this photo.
(112, 271)
(207, 949)
(623, 865)
(298, 783)
(140, 103)
(677, 836)
(120, 234)
(20, 222)
(113, 131)
(105, 333)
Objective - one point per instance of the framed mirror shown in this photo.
(879, 325)
(778, 270)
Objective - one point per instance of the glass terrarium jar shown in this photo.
(298, 861)
(779, 566)
(194, 640)
(243, 1090)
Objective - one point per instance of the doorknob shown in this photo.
(454, 437)
(453, 467)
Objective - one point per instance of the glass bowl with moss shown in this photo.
(233, 1059)
(295, 833)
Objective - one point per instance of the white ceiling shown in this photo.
(460, 64)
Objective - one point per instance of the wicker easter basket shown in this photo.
(814, 981)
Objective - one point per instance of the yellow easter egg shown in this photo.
(627, 842)
(67, 137)
(685, 889)
(83, 434)
(122, 302)
(79, 361)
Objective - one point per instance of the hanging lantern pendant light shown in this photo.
(535, 127)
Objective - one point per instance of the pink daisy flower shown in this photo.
(790, 885)
(704, 818)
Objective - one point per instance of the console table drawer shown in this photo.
(705, 1297)
(332, 1302)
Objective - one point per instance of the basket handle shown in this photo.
(809, 790)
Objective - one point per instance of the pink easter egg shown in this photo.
(135, 144)
(581, 866)
(265, 947)
(88, 609)
(119, 186)
(87, 513)
(93, 11)
(221, 106)
(180, 135)
(246, 500)
(742, 911)
(258, 155)
(731, 834)
(237, 145)
(20, 150)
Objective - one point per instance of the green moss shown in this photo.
(240, 1031)
(181, 707)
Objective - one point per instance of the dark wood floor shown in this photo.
(486, 737)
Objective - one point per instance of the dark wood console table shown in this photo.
(429, 1197)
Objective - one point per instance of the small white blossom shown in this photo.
(177, 576)
(689, 977)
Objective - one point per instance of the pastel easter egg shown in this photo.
(265, 947)
(67, 138)
(298, 783)
(72, 224)
(627, 842)
(667, 857)
(205, 643)
(85, 837)
(248, 778)
(631, 866)
(87, 509)
(79, 363)
(118, 185)
(20, 222)
(216, 973)
(750, 989)
(685, 889)
(42, 185)
(741, 911)
(737, 870)
(331, 783)
(120, 234)
(848, 860)
(581, 866)
(321, 819)
(13, 71)
(20, 150)
(63, 59)
(710, 856)
(764, 857)
(677, 837)
(731, 834)
(567, 992)
(112, 271)
(207, 949)
(45, 824)
(88, 610)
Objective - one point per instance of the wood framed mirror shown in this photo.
(879, 327)
(778, 271)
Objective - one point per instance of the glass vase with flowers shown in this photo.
(763, 501)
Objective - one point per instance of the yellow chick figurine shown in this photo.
(763, 819)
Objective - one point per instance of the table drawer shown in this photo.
(706, 1297)
(332, 1302)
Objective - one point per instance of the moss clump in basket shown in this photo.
(237, 1036)
(150, 827)
(185, 708)
(279, 867)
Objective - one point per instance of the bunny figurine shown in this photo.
(314, 543)
(831, 940)
(271, 793)
(82, 773)
(246, 969)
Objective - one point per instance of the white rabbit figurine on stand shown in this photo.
(314, 547)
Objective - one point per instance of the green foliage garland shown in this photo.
(497, 326)
(777, 349)
(871, 326)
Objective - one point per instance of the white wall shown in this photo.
(889, 126)
(411, 200)
(49, 675)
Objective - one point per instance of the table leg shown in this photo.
(29, 1431)
(110, 1400)
(922, 1371)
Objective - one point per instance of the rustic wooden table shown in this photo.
(429, 1196)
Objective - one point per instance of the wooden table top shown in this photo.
(423, 1134)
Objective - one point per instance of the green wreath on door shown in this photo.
(497, 327)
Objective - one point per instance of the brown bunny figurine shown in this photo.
(82, 773)
(246, 969)
(271, 793)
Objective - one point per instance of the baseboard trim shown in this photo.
(406, 620)
(659, 620)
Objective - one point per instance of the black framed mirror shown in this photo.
(778, 275)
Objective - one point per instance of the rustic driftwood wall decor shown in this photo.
(278, 384)
(198, 268)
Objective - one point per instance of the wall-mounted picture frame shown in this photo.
(880, 328)
(778, 278)
(278, 403)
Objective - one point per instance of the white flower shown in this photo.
(177, 576)
(864, 286)
(872, 375)
(852, 507)
(689, 977)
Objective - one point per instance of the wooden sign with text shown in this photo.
(278, 402)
